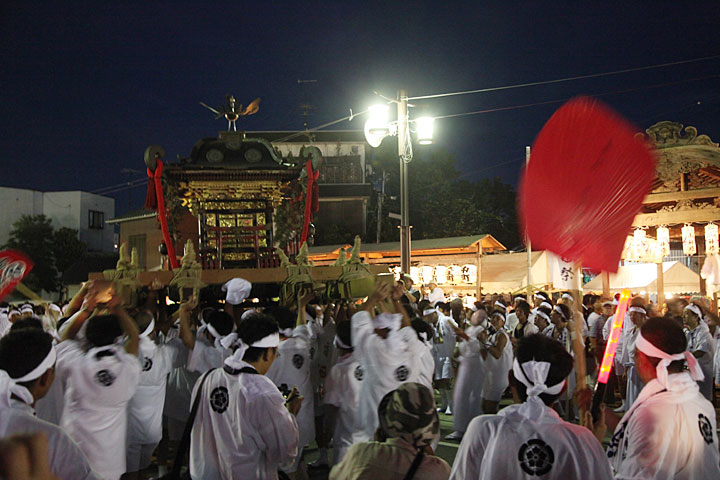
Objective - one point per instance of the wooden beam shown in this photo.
(252, 275)
(686, 195)
(660, 284)
(678, 217)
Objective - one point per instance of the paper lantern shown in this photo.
(639, 246)
(441, 274)
(415, 274)
(711, 239)
(688, 239)
(455, 273)
(469, 273)
(427, 273)
(663, 238)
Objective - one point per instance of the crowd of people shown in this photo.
(238, 389)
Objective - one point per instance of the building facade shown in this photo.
(82, 211)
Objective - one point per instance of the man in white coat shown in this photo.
(244, 427)
(101, 377)
(386, 347)
(27, 370)
(670, 432)
(530, 440)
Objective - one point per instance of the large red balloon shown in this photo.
(584, 184)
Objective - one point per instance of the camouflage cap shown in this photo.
(408, 412)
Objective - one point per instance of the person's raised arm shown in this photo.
(77, 301)
(304, 297)
(185, 333)
(127, 324)
(89, 302)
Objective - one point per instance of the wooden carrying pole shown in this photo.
(478, 275)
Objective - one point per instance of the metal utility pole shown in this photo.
(402, 135)
(381, 197)
(528, 246)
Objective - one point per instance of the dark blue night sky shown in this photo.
(86, 87)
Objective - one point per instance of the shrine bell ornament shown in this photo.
(586, 179)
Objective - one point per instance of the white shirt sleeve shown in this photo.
(333, 388)
(361, 331)
(276, 428)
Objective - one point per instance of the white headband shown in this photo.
(695, 309)
(637, 310)
(27, 309)
(429, 311)
(388, 320)
(546, 304)
(533, 375)
(642, 345)
(235, 361)
(543, 315)
(10, 386)
(498, 304)
(149, 329)
(559, 310)
(221, 341)
(340, 344)
(568, 296)
(537, 295)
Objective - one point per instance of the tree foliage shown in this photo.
(52, 251)
(442, 203)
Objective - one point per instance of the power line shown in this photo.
(566, 79)
(626, 90)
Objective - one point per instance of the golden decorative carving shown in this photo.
(189, 274)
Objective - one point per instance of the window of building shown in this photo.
(96, 219)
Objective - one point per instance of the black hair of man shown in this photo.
(543, 349)
(220, 320)
(567, 316)
(667, 335)
(102, 330)
(254, 328)
(284, 317)
(543, 295)
(342, 330)
(524, 307)
(421, 326)
(442, 306)
(38, 310)
(60, 321)
(143, 319)
(27, 322)
(423, 305)
(22, 351)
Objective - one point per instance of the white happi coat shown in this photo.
(667, 434)
(145, 408)
(342, 390)
(205, 356)
(496, 373)
(97, 390)
(443, 351)
(66, 459)
(467, 397)
(700, 340)
(387, 364)
(291, 368)
(523, 443)
(242, 428)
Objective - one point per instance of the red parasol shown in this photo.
(584, 184)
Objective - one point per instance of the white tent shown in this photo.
(677, 278)
(507, 272)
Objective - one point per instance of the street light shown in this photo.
(377, 127)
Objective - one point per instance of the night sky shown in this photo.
(85, 88)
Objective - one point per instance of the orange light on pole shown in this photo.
(609, 355)
(612, 343)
